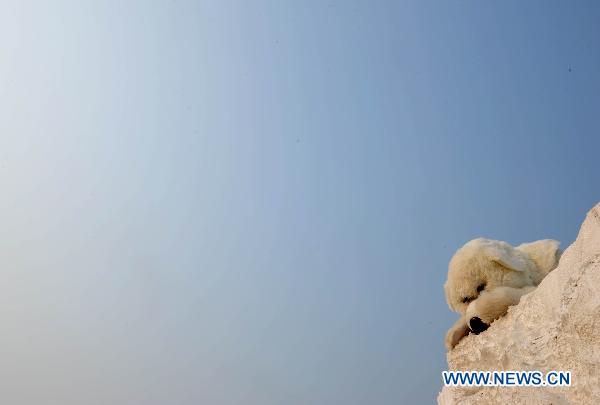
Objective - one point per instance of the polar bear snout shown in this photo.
(477, 325)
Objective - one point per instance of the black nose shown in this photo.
(477, 325)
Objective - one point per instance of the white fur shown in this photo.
(507, 273)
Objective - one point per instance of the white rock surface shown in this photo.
(556, 327)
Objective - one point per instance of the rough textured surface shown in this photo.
(556, 327)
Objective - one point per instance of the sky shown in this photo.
(254, 202)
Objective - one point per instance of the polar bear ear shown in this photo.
(506, 255)
(545, 253)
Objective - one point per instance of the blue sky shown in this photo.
(254, 202)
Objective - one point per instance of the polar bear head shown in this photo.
(483, 265)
